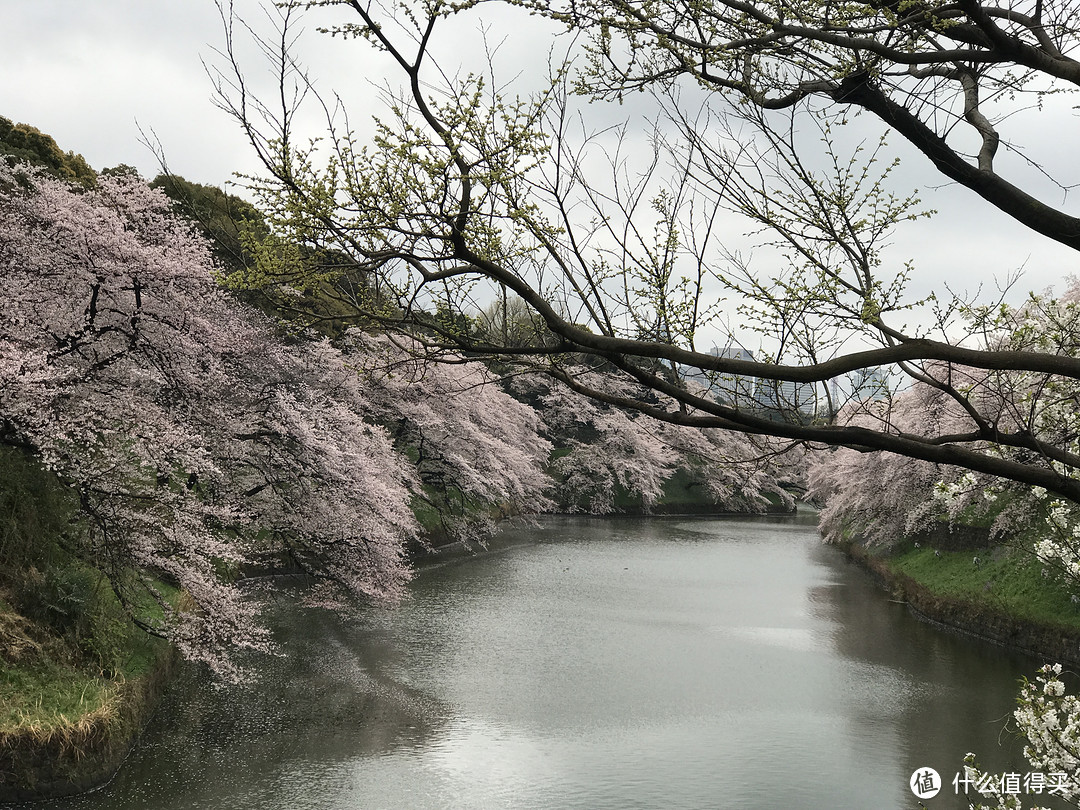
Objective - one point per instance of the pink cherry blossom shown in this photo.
(192, 433)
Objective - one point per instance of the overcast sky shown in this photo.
(92, 73)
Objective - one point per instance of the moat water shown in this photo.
(593, 663)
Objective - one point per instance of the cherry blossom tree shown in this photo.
(606, 451)
(190, 432)
(311, 468)
(95, 359)
(196, 433)
(881, 497)
(886, 498)
(477, 450)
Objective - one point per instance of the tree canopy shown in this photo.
(943, 75)
(182, 434)
(25, 142)
(467, 194)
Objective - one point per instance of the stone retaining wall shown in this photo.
(1052, 644)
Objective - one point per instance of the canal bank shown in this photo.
(660, 578)
(84, 751)
(1001, 596)
(591, 663)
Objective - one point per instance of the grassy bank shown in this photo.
(47, 699)
(1002, 595)
(65, 723)
(1006, 580)
(77, 678)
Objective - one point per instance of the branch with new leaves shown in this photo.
(468, 194)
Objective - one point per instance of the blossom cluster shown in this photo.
(1024, 417)
(1048, 717)
(606, 451)
(197, 433)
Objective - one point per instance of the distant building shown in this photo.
(734, 389)
(786, 397)
(730, 389)
(779, 397)
(869, 384)
(834, 395)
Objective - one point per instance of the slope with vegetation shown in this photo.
(78, 677)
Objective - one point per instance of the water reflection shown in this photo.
(309, 712)
(594, 664)
(958, 693)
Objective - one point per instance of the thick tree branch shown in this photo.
(859, 90)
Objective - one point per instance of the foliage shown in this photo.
(23, 142)
(509, 322)
(37, 515)
(243, 247)
(608, 241)
(607, 452)
(57, 611)
(225, 219)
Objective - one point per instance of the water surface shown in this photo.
(593, 663)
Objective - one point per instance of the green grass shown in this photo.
(50, 701)
(46, 700)
(65, 686)
(559, 452)
(1009, 580)
(427, 516)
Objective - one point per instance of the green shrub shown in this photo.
(38, 516)
(62, 605)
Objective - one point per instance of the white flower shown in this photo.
(1054, 688)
